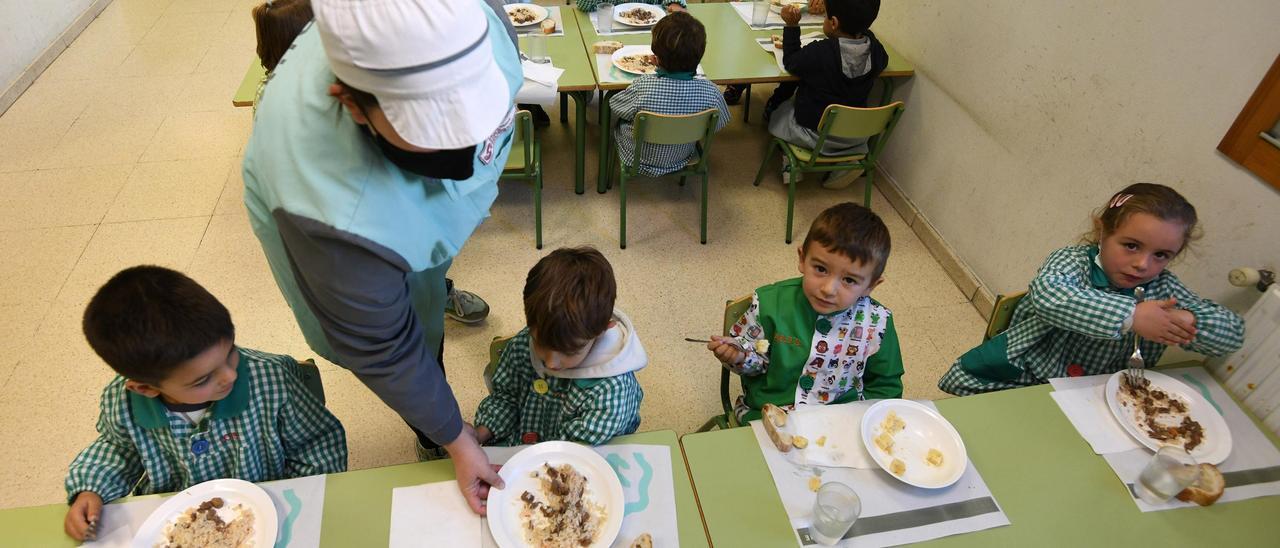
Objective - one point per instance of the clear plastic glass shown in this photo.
(1170, 471)
(537, 46)
(835, 509)
(604, 18)
(759, 12)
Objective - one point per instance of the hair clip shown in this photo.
(1119, 200)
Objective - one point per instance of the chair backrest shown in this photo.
(522, 139)
(675, 129)
(1002, 314)
(495, 353)
(309, 374)
(858, 123)
(733, 310)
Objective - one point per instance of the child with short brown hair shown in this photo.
(569, 375)
(820, 338)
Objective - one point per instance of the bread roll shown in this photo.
(775, 417)
(606, 46)
(548, 26)
(1207, 488)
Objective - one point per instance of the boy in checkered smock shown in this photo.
(188, 405)
(1080, 314)
(569, 375)
(826, 340)
(678, 42)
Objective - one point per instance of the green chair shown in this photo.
(309, 374)
(873, 124)
(732, 311)
(525, 163)
(496, 346)
(662, 129)
(1002, 314)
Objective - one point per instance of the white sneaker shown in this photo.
(842, 179)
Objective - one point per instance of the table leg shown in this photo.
(606, 121)
(580, 100)
(886, 93)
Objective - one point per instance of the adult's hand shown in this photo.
(471, 466)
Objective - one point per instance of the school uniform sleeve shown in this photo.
(801, 60)
(314, 441)
(626, 104)
(111, 465)
(755, 363)
(883, 376)
(500, 410)
(609, 408)
(723, 107)
(1064, 298)
(1219, 331)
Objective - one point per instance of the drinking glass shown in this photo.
(834, 511)
(537, 44)
(1170, 471)
(604, 18)
(759, 12)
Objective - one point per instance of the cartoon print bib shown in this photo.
(842, 343)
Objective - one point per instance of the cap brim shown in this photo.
(461, 117)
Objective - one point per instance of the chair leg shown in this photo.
(682, 178)
(622, 211)
(866, 193)
(768, 153)
(791, 201)
(746, 105)
(705, 175)
(537, 209)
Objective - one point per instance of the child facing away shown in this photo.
(829, 341)
(678, 42)
(1080, 315)
(276, 23)
(839, 70)
(569, 375)
(188, 405)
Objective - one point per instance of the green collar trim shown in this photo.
(150, 413)
(675, 75)
(1098, 277)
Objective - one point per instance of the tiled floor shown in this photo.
(126, 151)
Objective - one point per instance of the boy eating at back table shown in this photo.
(569, 375)
(678, 42)
(188, 405)
(837, 71)
(828, 340)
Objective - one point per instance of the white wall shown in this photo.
(27, 27)
(1025, 116)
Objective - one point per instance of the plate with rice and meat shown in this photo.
(558, 495)
(1161, 410)
(224, 513)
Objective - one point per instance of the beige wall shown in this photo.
(1025, 116)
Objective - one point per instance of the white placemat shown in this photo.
(553, 13)
(892, 512)
(774, 21)
(541, 82)
(437, 510)
(1087, 410)
(805, 39)
(617, 28)
(299, 510)
(838, 427)
(611, 74)
(1252, 470)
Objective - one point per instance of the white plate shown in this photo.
(778, 9)
(232, 492)
(632, 50)
(1216, 446)
(539, 13)
(619, 9)
(505, 504)
(925, 429)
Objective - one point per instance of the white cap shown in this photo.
(429, 63)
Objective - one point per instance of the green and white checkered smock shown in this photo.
(1071, 323)
(591, 411)
(269, 427)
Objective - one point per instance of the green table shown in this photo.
(357, 510)
(732, 57)
(1044, 475)
(247, 93)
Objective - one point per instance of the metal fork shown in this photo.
(1137, 368)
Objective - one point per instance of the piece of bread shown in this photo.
(818, 7)
(548, 26)
(642, 541)
(777, 41)
(606, 46)
(800, 442)
(775, 417)
(1206, 489)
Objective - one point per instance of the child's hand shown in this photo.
(1155, 321)
(82, 517)
(483, 434)
(791, 14)
(726, 350)
(1186, 320)
(674, 7)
